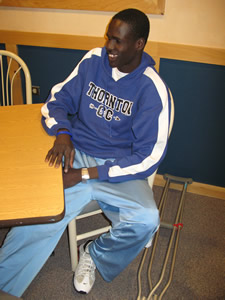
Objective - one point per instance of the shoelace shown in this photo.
(86, 265)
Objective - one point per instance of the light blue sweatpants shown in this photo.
(129, 205)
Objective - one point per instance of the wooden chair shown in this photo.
(11, 66)
(93, 208)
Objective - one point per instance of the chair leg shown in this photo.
(73, 244)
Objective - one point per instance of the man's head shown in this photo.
(138, 21)
(127, 34)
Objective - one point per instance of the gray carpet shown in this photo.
(199, 269)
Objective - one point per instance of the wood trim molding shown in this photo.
(148, 6)
(65, 41)
(156, 49)
(195, 188)
(187, 52)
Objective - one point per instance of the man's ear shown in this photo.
(140, 44)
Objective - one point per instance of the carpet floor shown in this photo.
(199, 272)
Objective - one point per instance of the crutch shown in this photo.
(176, 227)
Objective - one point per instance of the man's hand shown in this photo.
(63, 147)
(71, 178)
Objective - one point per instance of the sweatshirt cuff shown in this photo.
(103, 172)
(53, 130)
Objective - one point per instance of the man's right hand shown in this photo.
(63, 147)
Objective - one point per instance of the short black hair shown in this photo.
(137, 20)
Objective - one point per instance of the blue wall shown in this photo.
(48, 66)
(196, 145)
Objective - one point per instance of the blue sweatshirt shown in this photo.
(127, 119)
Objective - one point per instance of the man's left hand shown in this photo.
(71, 178)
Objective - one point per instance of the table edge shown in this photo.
(33, 221)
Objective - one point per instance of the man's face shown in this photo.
(122, 48)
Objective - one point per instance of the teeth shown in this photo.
(113, 55)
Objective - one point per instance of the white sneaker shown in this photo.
(84, 276)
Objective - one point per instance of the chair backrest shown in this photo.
(10, 77)
(152, 177)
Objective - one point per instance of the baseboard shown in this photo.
(195, 188)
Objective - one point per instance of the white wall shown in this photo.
(190, 22)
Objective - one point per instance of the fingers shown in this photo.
(62, 148)
(68, 160)
(48, 156)
(54, 158)
(58, 160)
(72, 156)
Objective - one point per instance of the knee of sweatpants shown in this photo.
(151, 219)
(144, 226)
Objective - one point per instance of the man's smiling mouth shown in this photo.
(112, 57)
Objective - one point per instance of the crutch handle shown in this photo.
(177, 179)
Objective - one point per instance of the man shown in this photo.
(116, 138)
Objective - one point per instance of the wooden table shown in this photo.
(31, 192)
